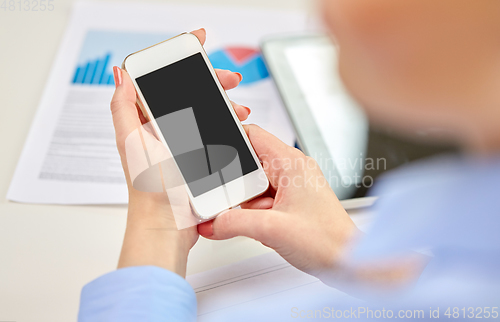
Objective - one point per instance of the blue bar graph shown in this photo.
(94, 72)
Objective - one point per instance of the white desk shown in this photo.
(47, 253)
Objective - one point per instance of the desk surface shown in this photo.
(49, 252)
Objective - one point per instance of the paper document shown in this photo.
(262, 288)
(70, 155)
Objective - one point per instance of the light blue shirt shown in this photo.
(448, 206)
(142, 293)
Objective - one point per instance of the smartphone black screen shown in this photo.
(196, 123)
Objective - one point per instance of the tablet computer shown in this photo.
(329, 125)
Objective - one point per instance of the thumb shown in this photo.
(125, 114)
(275, 155)
(252, 223)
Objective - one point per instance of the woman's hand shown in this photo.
(300, 217)
(152, 237)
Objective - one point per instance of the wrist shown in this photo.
(152, 237)
(148, 244)
(148, 205)
(143, 247)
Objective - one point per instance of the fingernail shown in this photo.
(117, 74)
(240, 76)
(248, 110)
(206, 229)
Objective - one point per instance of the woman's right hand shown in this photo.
(300, 216)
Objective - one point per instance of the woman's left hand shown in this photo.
(152, 237)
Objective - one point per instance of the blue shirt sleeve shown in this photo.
(142, 293)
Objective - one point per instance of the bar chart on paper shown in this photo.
(102, 50)
(94, 72)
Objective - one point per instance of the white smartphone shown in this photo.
(179, 93)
